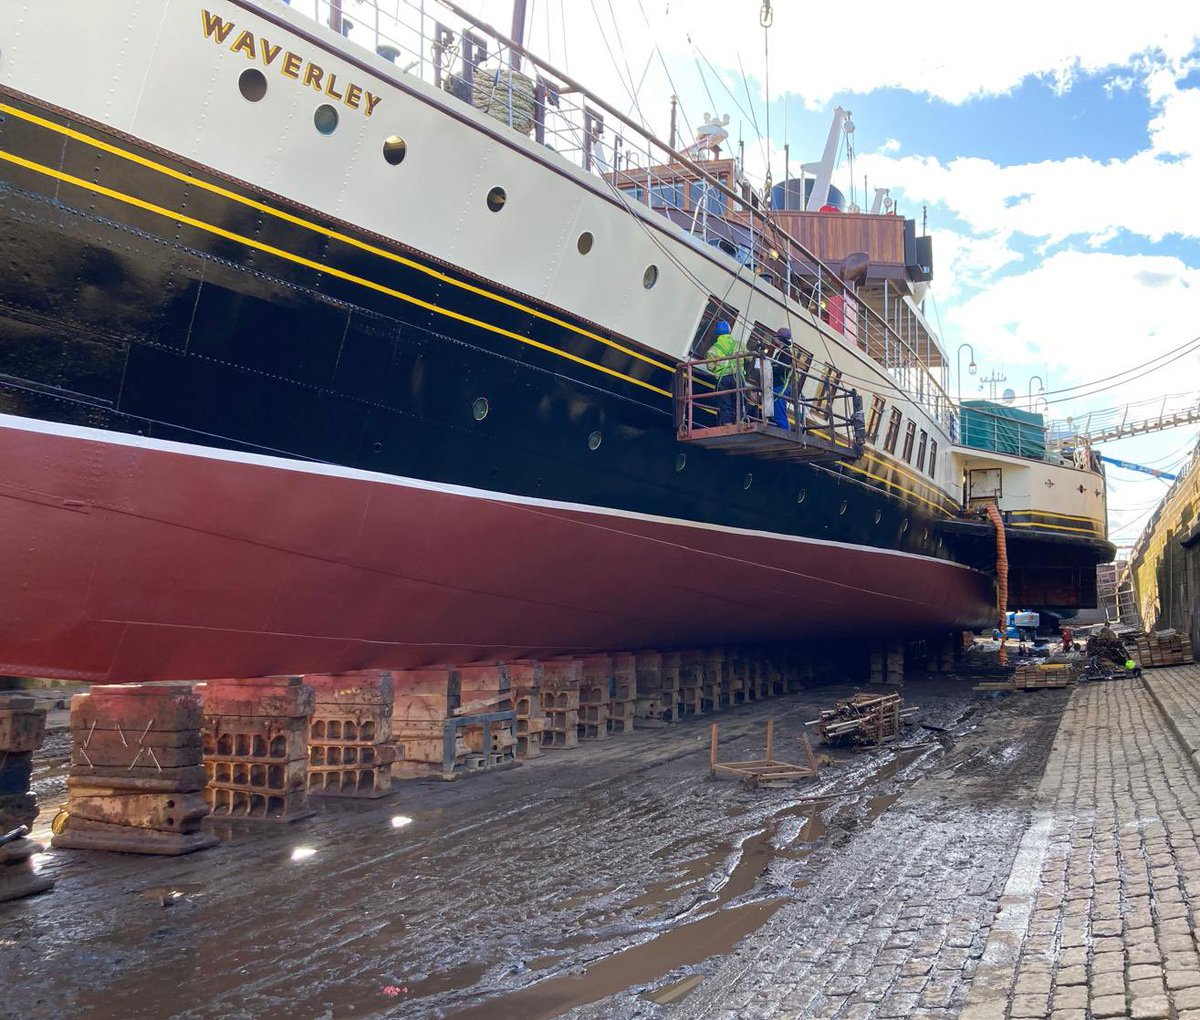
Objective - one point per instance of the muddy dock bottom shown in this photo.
(614, 880)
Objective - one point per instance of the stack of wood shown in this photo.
(1161, 648)
(137, 775)
(714, 692)
(622, 702)
(525, 684)
(595, 682)
(671, 670)
(863, 719)
(256, 747)
(734, 689)
(560, 702)
(484, 689)
(22, 727)
(424, 700)
(1030, 676)
(654, 707)
(691, 682)
(350, 743)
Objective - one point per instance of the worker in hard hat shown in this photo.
(782, 358)
(727, 367)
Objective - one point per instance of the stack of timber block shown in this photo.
(714, 691)
(484, 689)
(560, 702)
(691, 682)
(350, 743)
(22, 727)
(758, 687)
(595, 684)
(525, 684)
(622, 703)
(1032, 676)
(658, 696)
(1161, 648)
(775, 672)
(735, 676)
(672, 666)
(424, 699)
(887, 662)
(137, 780)
(256, 748)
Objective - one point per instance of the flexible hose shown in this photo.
(1001, 574)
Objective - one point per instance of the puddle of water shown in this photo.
(684, 946)
(691, 872)
(165, 894)
(586, 897)
(877, 805)
(447, 981)
(674, 992)
(901, 759)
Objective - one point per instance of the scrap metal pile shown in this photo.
(864, 719)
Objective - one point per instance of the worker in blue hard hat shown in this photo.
(726, 365)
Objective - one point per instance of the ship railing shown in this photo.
(761, 392)
(455, 52)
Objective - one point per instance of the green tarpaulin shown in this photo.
(989, 426)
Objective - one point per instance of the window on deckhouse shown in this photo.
(910, 433)
(875, 418)
(932, 457)
(827, 388)
(893, 430)
(921, 450)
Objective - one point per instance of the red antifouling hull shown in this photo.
(126, 559)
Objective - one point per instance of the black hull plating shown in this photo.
(206, 320)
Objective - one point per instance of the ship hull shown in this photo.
(130, 558)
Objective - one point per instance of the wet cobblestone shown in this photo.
(1098, 915)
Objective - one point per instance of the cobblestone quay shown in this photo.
(1098, 918)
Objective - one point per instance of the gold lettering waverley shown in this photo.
(293, 65)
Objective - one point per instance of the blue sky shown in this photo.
(1057, 149)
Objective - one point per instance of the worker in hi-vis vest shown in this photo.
(728, 373)
(782, 357)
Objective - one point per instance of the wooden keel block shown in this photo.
(169, 812)
(22, 726)
(137, 708)
(188, 778)
(369, 687)
(284, 697)
(80, 834)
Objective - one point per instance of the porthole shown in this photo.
(377, 447)
(395, 149)
(878, 516)
(748, 480)
(496, 199)
(801, 496)
(253, 84)
(842, 508)
(681, 462)
(650, 277)
(325, 117)
(584, 244)
(480, 408)
(594, 441)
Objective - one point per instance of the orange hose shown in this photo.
(1001, 574)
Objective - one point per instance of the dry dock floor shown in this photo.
(1019, 855)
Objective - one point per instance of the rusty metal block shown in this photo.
(83, 834)
(169, 812)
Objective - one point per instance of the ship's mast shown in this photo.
(518, 33)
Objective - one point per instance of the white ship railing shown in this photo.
(449, 49)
